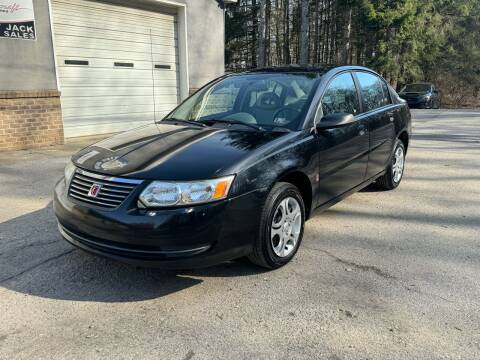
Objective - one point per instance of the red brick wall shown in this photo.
(30, 119)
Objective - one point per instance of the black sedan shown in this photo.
(236, 169)
(422, 95)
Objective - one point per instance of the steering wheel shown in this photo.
(268, 101)
(285, 115)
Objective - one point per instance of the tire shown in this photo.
(390, 180)
(268, 251)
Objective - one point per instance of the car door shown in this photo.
(380, 116)
(343, 151)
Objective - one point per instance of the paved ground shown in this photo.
(382, 275)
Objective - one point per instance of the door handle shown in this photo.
(362, 132)
(391, 116)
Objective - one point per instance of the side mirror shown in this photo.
(331, 121)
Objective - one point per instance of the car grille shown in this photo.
(113, 191)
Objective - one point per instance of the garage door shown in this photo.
(116, 65)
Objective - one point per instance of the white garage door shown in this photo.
(115, 65)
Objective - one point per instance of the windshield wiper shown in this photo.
(232, 122)
(189, 122)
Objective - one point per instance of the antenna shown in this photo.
(153, 78)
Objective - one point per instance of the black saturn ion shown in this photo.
(236, 169)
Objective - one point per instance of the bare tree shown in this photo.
(286, 34)
(347, 36)
(261, 34)
(268, 32)
(303, 38)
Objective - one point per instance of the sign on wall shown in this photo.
(17, 19)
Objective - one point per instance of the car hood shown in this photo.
(172, 152)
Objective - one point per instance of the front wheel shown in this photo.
(281, 227)
(394, 173)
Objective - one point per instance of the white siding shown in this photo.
(103, 98)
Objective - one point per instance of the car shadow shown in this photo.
(372, 188)
(34, 260)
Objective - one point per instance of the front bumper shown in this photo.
(417, 102)
(186, 237)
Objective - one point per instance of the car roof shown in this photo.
(314, 68)
(294, 68)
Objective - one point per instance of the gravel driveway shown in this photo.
(381, 275)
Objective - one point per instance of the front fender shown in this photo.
(300, 155)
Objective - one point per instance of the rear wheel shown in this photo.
(394, 173)
(281, 227)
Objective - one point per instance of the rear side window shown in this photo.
(341, 96)
(372, 91)
(386, 94)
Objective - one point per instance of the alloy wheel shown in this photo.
(398, 164)
(286, 227)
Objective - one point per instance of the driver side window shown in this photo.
(341, 96)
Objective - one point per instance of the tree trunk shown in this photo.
(286, 40)
(261, 34)
(348, 34)
(328, 25)
(323, 32)
(316, 38)
(268, 16)
(278, 47)
(303, 38)
(254, 30)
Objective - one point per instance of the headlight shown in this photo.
(69, 171)
(163, 193)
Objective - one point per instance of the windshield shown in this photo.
(266, 100)
(418, 88)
